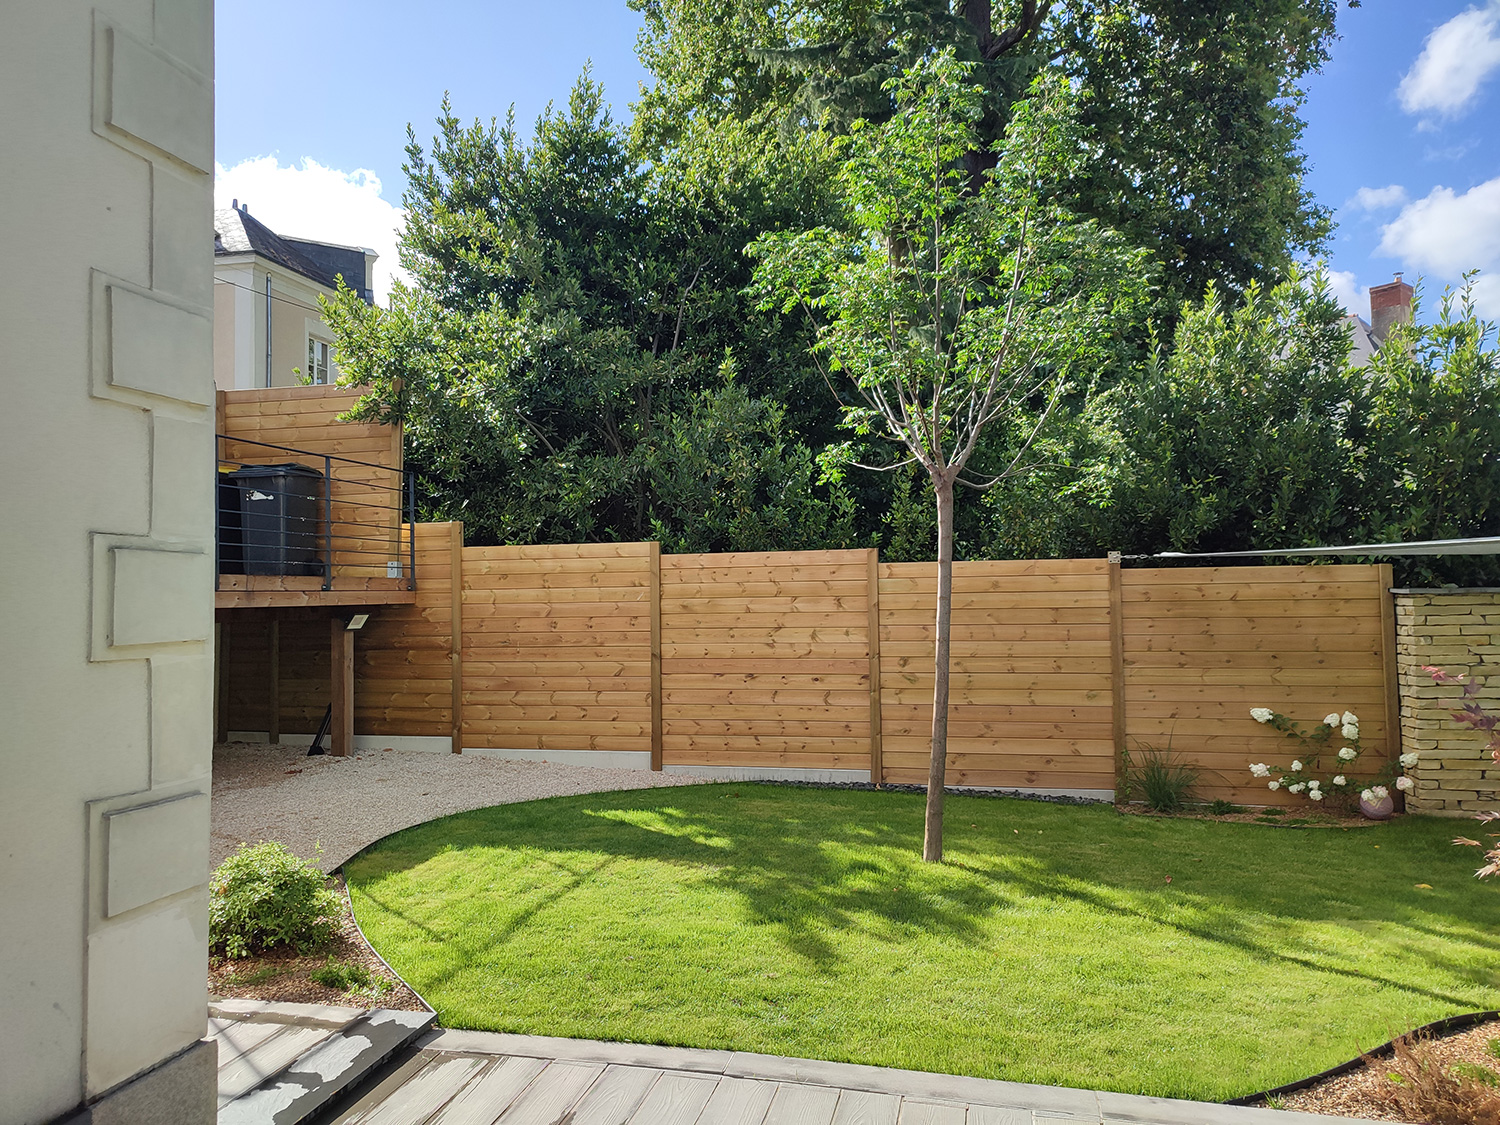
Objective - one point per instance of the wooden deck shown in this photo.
(240, 591)
(277, 1069)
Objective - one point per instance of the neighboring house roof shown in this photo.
(237, 232)
(1363, 338)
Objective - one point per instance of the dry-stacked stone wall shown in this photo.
(1459, 631)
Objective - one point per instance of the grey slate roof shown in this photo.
(236, 232)
(1365, 344)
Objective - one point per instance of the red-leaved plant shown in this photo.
(1473, 714)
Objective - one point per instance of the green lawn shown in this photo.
(1050, 947)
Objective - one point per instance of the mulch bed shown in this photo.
(1366, 1091)
(1286, 818)
(282, 974)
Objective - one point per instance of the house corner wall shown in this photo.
(107, 358)
(1458, 631)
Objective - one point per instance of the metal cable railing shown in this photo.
(312, 514)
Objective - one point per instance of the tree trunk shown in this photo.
(932, 839)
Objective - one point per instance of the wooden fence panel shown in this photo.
(1203, 645)
(557, 647)
(1030, 696)
(765, 660)
(403, 667)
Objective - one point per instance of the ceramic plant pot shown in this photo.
(1377, 810)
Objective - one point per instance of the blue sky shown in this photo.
(313, 99)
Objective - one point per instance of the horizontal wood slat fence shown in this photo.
(815, 663)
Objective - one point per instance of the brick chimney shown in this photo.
(1390, 304)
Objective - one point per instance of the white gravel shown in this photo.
(264, 792)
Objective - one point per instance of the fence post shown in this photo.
(877, 761)
(456, 602)
(1385, 576)
(656, 723)
(1117, 669)
(273, 705)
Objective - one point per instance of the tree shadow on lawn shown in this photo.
(808, 863)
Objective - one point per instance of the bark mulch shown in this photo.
(282, 974)
(1368, 1091)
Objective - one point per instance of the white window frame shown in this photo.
(319, 349)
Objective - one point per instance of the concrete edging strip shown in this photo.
(1061, 1100)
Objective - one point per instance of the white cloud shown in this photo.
(1378, 198)
(1457, 57)
(1348, 292)
(318, 203)
(1446, 233)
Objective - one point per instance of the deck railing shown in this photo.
(286, 514)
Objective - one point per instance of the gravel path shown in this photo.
(266, 792)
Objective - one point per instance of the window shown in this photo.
(317, 360)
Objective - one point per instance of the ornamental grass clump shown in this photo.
(1301, 776)
(1164, 781)
(263, 896)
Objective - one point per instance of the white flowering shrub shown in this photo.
(1300, 777)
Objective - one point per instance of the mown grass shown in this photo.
(1061, 945)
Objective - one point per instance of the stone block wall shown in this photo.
(1458, 630)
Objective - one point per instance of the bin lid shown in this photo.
(291, 469)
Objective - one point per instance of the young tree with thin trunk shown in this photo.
(959, 318)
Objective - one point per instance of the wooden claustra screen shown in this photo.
(557, 647)
(765, 659)
(1203, 645)
(1030, 693)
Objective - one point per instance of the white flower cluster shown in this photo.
(1374, 793)
(1347, 724)
(1404, 784)
(1408, 760)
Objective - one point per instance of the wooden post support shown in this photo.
(221, 681)
(341, 676)
(273, 695)
(877, 760)
(1117, 668)
(1385, 576)
(656, 723)
(456, 600)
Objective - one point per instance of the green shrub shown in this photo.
(264, 896)
(1163, 780)
(347, 976)
(1221, 807)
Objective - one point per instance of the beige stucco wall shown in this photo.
(106, 557)
(1458, 631)
(240, 323)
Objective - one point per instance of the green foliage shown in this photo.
(1252, 432)
(1163, 780)
(1434, 435)
(956, 315)
(263, 896)
(1220, 807)
(572, 314)
(347, 976)
(1246, 435)
(726, 477)
(1476, 1073)
(1193, 108)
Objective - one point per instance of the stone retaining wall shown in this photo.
(1458, 630)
